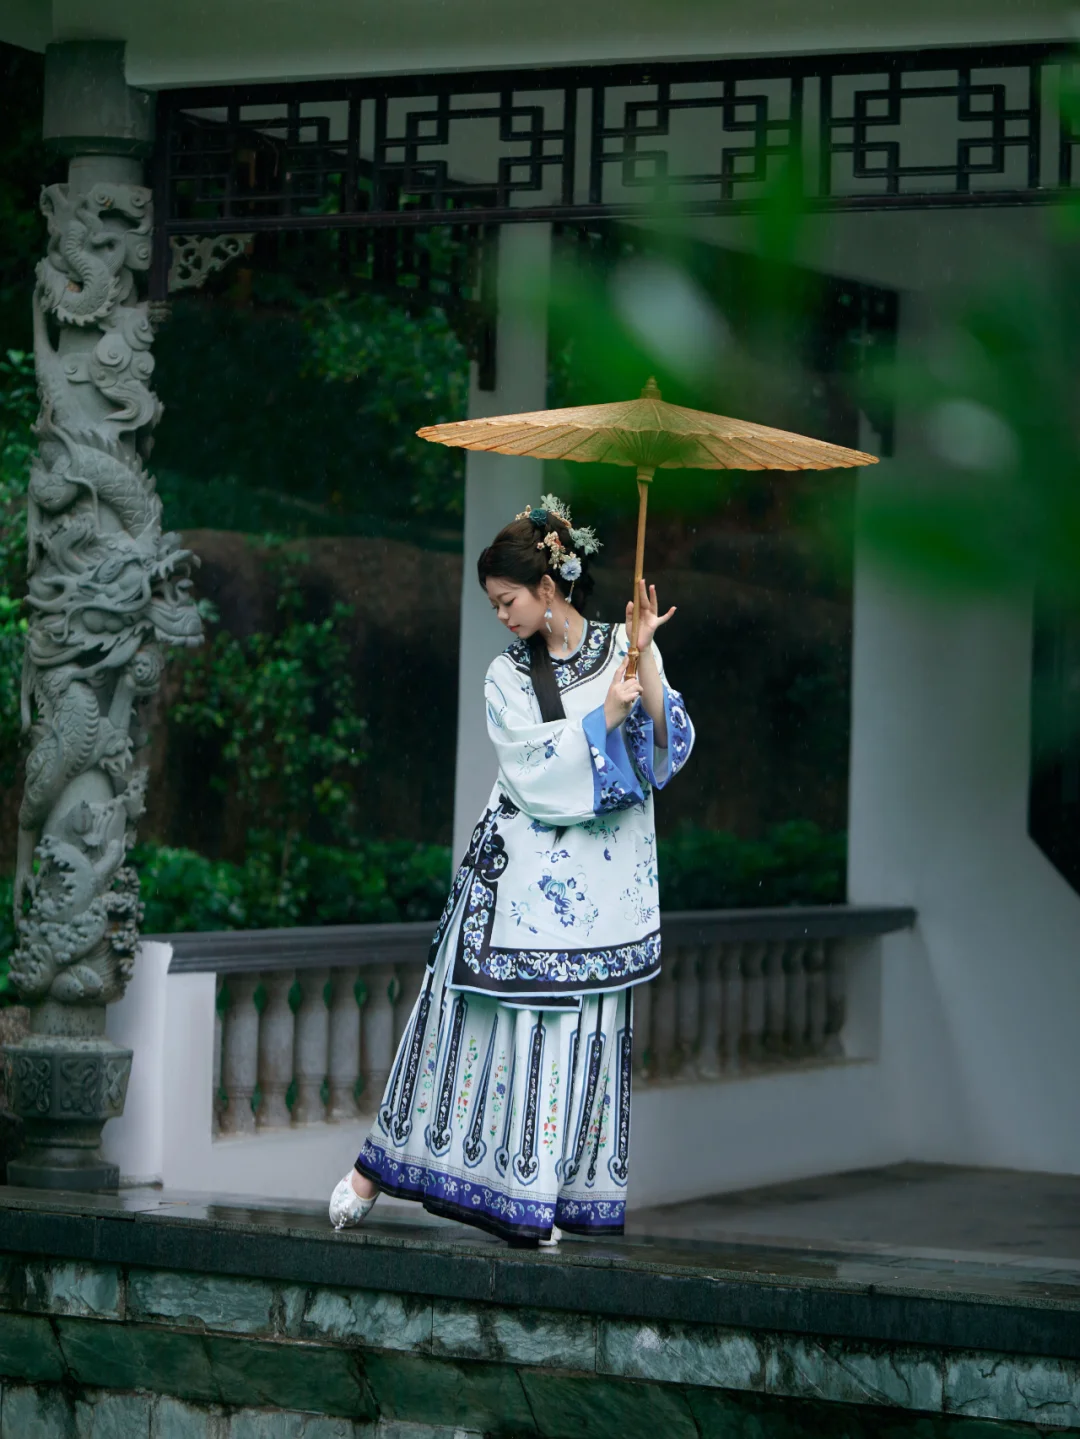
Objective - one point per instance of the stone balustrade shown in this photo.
(308, 1019)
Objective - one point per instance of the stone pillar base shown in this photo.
(47, 1169)
(64, 1090)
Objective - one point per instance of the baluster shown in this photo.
(731, 980)
(774, 1000)
(835, 999)
(377, 1050)
(795, 999)
(240, 1055)
(222, 998)
(347, 995)
(708, 1065)
(815, 997)
(312, 1046)
(410, 977)
(643, 1056)
(688, 1011)
(665, 1018)
(276, 1033)
(753, 973)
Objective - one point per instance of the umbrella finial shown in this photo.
(651, 390)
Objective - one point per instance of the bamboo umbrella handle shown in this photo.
(644, 477)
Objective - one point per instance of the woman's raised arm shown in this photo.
(560, 773)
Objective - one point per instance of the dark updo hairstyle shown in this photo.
(513, 556)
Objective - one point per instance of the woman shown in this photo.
(508, 1105)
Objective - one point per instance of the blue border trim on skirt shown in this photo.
(483, 1206)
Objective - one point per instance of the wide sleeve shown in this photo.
(560, 773)
(658, 765)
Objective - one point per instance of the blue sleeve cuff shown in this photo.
(658, 766)
(615, 785)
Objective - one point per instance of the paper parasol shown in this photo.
(648, 434)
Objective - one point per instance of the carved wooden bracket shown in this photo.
(193, 258)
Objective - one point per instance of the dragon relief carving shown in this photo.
(108, 592)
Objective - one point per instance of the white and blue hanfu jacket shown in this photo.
(557, 896)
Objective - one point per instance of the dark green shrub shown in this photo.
(182, 890)
(793, 863)
(375, 883)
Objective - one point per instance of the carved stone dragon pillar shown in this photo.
(107, 594)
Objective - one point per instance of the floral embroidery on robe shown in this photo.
(557, 896)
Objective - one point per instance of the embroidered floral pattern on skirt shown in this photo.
(510, 1119)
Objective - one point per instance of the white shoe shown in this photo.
(347, 1209)
(556, 1235)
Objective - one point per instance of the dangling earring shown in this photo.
(566, 635)
(547, 618)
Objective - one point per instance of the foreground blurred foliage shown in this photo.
(985, 498)
(992, 503)
(759, 336)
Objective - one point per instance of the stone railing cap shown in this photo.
(330, 946)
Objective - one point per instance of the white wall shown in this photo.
(165, 1134)
(690, 1141)
(980, 1007)
(980, 1002)
(135, 1142)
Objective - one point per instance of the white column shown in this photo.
(496, 488)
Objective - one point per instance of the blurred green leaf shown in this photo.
(992, 503)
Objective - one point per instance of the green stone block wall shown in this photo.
(127, 1353)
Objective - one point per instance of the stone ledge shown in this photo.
(48, 1412)
(235, 951)
(360, 1356)
(527, 1406)
(999, 1309)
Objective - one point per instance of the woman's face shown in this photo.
(517, 607)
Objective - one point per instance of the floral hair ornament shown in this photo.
(566, 563)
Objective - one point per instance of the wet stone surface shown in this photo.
(164, 1317)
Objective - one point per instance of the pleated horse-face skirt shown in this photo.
(509, 1119)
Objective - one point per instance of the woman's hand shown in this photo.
(649, 617)
(621, 698)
